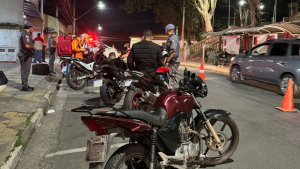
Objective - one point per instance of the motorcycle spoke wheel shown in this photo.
(228, 134)
(74, 80)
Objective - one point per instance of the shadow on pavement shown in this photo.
(225, 162)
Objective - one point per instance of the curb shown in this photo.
(46, 101)
(208, 69)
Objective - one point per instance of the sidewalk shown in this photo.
(21, 112)
(208, 67)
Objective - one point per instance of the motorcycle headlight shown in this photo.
(232, 59)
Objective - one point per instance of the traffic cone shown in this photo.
(201, 72)
(288, 101)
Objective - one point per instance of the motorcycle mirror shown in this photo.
(185, 73)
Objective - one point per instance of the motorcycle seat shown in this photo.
(156, 116)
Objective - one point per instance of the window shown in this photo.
(260, 50)
(11, 50)
(2, 50)
(296, 50)
(279, 49)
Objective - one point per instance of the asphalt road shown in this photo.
(269, 139)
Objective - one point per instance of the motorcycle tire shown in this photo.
(131, 94)
(105, 96)
(71, 83)
(212, 161)
(135, 153)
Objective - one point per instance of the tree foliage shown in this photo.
(168, 11)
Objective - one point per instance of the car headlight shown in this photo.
(232, 59)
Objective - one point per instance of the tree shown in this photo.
(244, 13)
(167, 11)
(255, 12)
(206, 8)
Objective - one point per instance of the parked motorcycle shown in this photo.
(82, 71)
(112, 80)
(141, 94)
(166, 137)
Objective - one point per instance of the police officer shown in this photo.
(26, 51)
(51, 48)
(173, 60)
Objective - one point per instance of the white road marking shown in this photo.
(76, 150)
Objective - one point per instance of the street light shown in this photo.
(99, 27)
(242, 2)
(101, 5)
(261, 6)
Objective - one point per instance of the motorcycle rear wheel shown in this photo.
(223, 155)
(131, 100)
(130, 156)
(106, 92)
(72, 82)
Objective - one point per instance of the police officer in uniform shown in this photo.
(26, 52)
(173, 60)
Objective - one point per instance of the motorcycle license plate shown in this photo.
(64, 69)
(96, 149)
(98, 82)
(128, 82)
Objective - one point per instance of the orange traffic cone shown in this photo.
(201, 71)
(288, 101)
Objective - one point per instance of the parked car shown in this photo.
(273, 62)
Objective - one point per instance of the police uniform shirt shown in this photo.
(25, 38)
(50, 42)
(175, 45)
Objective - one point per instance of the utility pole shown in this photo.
(275, 11)
(229, 14)
(74, 20)
(234, 18)
(182, 34)
(42, 15)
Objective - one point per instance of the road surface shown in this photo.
(269, 139)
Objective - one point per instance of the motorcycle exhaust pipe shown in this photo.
(80, 68)
(148, 97)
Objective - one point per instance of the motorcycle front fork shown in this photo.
(208, 125)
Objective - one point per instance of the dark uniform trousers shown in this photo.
(174, 68)
(25, 70)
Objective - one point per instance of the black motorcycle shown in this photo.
(112, 82)
(143, 91)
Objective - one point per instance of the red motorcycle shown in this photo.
(168, 136)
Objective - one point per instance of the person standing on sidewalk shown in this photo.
(38, 43)
(173, 60)
(26, 51)
(51, 48)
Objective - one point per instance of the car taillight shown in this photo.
(96, 125)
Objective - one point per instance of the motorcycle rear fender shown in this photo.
(213, 115)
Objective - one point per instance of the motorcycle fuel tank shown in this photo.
(175, 102)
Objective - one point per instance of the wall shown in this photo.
(232, 44)
(49, 21)
(8, 44)
(260, 38)
(11, 11)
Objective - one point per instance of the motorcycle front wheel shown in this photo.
(107, 92)
(130, 156)
(228, 133)
(72, 80)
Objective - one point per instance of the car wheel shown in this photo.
(283, 83)
(235, 74)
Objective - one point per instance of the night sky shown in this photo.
(117, 23)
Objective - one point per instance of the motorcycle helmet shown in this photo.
(199, 86)
(84, 38)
